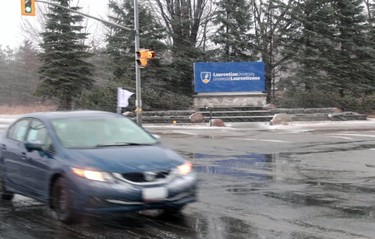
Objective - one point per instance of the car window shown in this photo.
(38, 132)
(91, 132)
(18, 130)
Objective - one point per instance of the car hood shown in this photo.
(125, 158)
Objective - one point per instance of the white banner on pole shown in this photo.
(123, 97)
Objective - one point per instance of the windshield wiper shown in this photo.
(120, 144)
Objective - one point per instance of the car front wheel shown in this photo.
(61, 202)
(172, 211)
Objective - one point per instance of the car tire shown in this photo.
(4, 194)
(172, 211)
(60, 202)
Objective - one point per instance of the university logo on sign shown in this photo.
(205, 77)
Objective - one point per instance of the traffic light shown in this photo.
(143, 55)
(28, 7)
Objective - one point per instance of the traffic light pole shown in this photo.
(87, 15)
(138, 92)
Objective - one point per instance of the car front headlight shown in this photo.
(184, 169)
(93, 175)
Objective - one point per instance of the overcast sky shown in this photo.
(11, 19)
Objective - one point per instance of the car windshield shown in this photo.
(100, 132)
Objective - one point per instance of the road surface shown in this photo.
(296, 181)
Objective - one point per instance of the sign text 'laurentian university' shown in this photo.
(229, 77)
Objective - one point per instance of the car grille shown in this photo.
(146, 177)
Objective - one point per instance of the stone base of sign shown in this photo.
(232, 99)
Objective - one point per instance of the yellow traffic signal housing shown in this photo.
(143, 55)
(151, 54)
(28, 7)
(142, 62)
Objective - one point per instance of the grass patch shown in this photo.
(24, 109)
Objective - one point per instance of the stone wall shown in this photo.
(235, 99)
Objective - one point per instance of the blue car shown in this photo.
(92, 162)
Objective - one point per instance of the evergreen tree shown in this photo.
(334, 60)
(157, 91)
(27, 63)
(120, 45)
(18, 74)
(353, 60)
(233, 22)
(312, 42)
(65, 72)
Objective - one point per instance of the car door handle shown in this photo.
(23, 156)
(3, 147)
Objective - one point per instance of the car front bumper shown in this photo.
(99, 197)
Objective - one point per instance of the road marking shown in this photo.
(358, 135)
(340, 137)
(266, 140)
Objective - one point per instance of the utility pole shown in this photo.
(138, 93)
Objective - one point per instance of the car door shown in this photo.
(38, 161)
(14, 155)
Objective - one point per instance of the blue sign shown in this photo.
(229, 77)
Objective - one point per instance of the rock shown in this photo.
(128, 114)
(338, 110)
(280, 119)
(196, 118)
(217, 123)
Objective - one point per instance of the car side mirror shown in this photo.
(34, 145)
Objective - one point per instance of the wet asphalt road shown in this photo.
(253, 184)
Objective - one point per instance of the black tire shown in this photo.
(4, 194)
(172, 211)
(60, 202)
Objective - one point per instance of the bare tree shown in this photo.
(271, 21)
(33, 26)
(370, 8)
(186, 20)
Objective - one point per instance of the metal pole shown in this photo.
(89, 16)
(138, 94)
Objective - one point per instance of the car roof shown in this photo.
(68, 114)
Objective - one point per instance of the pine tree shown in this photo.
(65, 72)
(353, 66)
(27, 63)
(157, 90)
(311, 45)
(120, 45)
(233, 22)
(334, 60)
